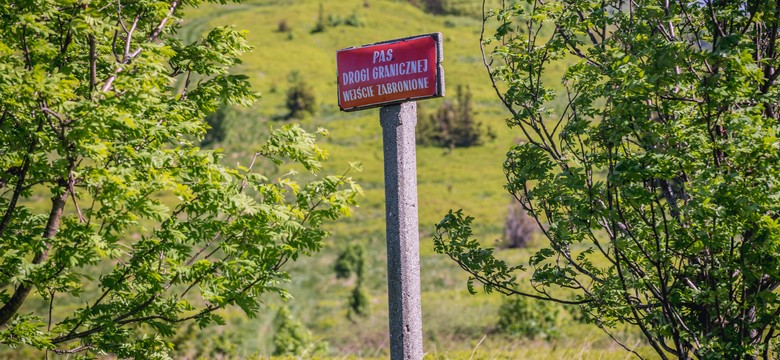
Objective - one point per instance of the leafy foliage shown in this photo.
(359, 302)
(522, 316)
(292, 338)
(351, 261)
(453, 238)
(143, 231)
(657, 168)
(191, 343)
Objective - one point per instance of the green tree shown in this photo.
(655, 160)
(90, 119)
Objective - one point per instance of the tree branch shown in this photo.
(20, 182)
(130, 56)
(26, 49)
(129, 37)
(153, 36)
(92, 63)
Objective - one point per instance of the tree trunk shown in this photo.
(52, 225)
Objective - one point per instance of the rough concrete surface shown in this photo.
(403, 248)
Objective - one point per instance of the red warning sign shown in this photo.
(390, 72)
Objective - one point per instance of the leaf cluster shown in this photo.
(107, 206)
(654, 162)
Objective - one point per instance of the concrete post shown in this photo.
(403, 248)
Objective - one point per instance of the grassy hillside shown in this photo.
(455, 323)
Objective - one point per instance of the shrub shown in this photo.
(190, 343)
(352, 261)
(448, 7)
(292, 338)
(529, 318)
(453, 125)
(300, 97)
(519, 228)
(144, 232)
(217, 130)
(320, 26)
(359, 302)
(283, 27)
(351, 20)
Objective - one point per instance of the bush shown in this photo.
(300, 97)
(352, 261)
(448, 7)
(660, 178)
(351, 20)
(283, 27)
(359, 302)
(320, 26)
(519, 228)
(115, 262)
(217, 130)
(190, 343)
(292, 338)
(435, 7)
(453, 125)
(529, 318)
